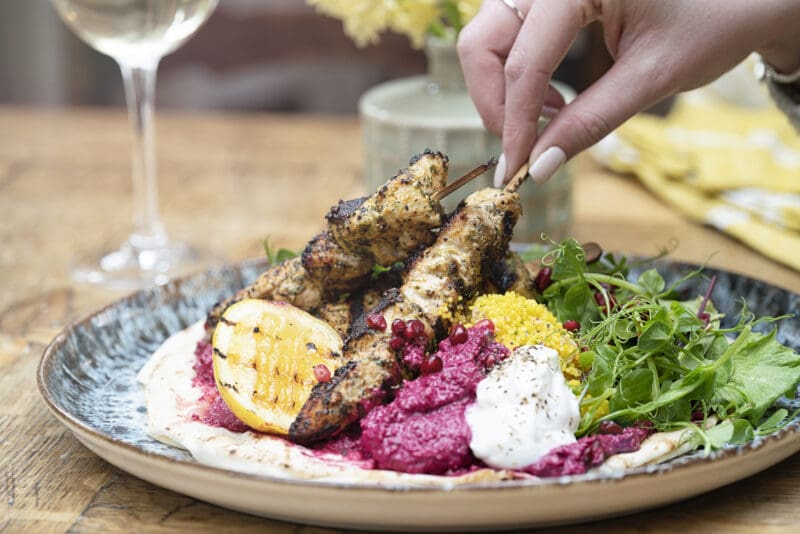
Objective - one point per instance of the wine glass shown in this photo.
(137, 34)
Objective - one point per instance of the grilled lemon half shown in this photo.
(264, 359)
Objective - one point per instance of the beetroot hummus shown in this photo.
(589, 451)
(212, 411)
(423, 430)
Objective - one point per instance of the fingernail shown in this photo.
(546, 164)
(550, 111)
(500, 171)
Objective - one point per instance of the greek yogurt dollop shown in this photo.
(523, 409)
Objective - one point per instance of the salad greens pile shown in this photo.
(655, 359)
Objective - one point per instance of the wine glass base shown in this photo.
(130, 267)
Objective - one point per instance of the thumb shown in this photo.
(618, 95)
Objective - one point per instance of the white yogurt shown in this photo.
(523, 409)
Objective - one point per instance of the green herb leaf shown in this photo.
(657, 334)
(280, 256)
(680, 410)
(773, 423)
(730, 432)
(635, 387)
(578, 304)
(651, 281)
(379, 269)
(601, 377)
(763, 371)
(568, 260)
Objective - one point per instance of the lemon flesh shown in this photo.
(264, 358)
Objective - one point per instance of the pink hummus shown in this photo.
(423, 429)
(212, 410)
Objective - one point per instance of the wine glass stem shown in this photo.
(140, 81)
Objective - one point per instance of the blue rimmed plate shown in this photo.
(87, 377)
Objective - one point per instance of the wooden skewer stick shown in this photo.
(517, 179)
(471, 175)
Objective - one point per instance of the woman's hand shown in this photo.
(660, 47)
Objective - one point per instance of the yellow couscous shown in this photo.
(522, 321)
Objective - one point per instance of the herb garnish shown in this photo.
(379, 269)
(653, 358)
(279, 256)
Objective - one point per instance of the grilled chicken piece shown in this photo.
(341, 271)
(342, 313)
(403, 213)
(398, 218)
(336, 314)
(511, 274)
(287, 282)
(473, 239)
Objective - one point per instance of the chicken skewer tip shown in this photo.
(471, 175)
(517, 179)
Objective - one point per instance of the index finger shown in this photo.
(549, 29)
(483, 45)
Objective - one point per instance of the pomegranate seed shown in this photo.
(322, 373)
(542, 280)
(376, 321)
(490, 361)
(431, 364)
(414, 329)
(571, 325)
(610, 427)
(458, 334)
(398, 327)
(485, 323)
(397, 343)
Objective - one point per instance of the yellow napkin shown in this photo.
(735, 169)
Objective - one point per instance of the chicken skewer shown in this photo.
(384, 228)
(473, 240)
(327, 267)
(511, 274)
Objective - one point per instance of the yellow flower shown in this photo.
(414, 18)
(468, 9)
(365, 20)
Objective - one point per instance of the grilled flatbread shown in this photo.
(171, 399)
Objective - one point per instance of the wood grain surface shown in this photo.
(227, 181)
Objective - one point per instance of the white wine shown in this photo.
(135, 32)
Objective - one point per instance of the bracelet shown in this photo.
(765, 71)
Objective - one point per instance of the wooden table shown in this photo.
(227, 181)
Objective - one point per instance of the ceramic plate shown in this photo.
(88, 379)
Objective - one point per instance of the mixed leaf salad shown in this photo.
(659, 357)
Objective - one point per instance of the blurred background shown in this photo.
(252, 55)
